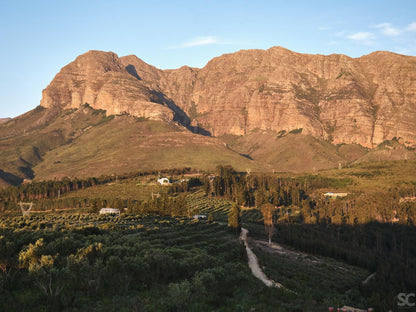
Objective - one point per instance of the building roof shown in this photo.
(109, 210)
(163, 181)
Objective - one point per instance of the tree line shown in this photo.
(48, 192)
(301, 200)
(254, 190)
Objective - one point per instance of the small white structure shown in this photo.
(335, 195)
(199, 216)
(26, 212)
(407, 199)
(109, 211)
(163, 181)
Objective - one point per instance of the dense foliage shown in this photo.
(167, 263)
(353, 229)
(83, 261)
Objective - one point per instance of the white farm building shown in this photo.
(163, 181)
(109, 211)
(335, 195)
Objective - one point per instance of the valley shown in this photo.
(335, 244)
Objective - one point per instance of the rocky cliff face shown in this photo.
(364, 100)
(101, 80)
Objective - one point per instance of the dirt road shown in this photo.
(254, 264)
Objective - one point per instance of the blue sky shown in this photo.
(39, 37)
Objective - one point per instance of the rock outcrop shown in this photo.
(4, 120)
(364, 100)
(100, 80)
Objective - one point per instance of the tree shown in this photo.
(234, 219)
(267, 211)
(180, 295)
(47, 277)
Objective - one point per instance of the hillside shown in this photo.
(288, 151)
(85, 142)
(124, 144)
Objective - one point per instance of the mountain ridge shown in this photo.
(265, 110)
(362, 100)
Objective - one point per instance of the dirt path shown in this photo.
(254, 264)
(370, 277)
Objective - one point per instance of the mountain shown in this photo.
(363, 101)
(261, 109)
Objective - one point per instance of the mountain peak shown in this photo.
(98, 60)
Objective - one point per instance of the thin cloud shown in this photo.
(388, 30)
(362, 37)
(403, 51)
(200, 41)
(411, 27)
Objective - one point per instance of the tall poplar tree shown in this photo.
(234, 219)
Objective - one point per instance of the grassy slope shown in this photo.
(387, 151)
(293, 152)
(375, 176)
(303, 153)
(352, 152)
(45, 144)
(126, 144)
(25, 140)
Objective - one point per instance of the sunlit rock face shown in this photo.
(362, 100)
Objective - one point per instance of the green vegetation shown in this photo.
(370, 229)
(133, 262)
(193, 112)
(99, 263)
(314, 278)
(155, 257)
(217, 207)
(234, 219)
(296, 131)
